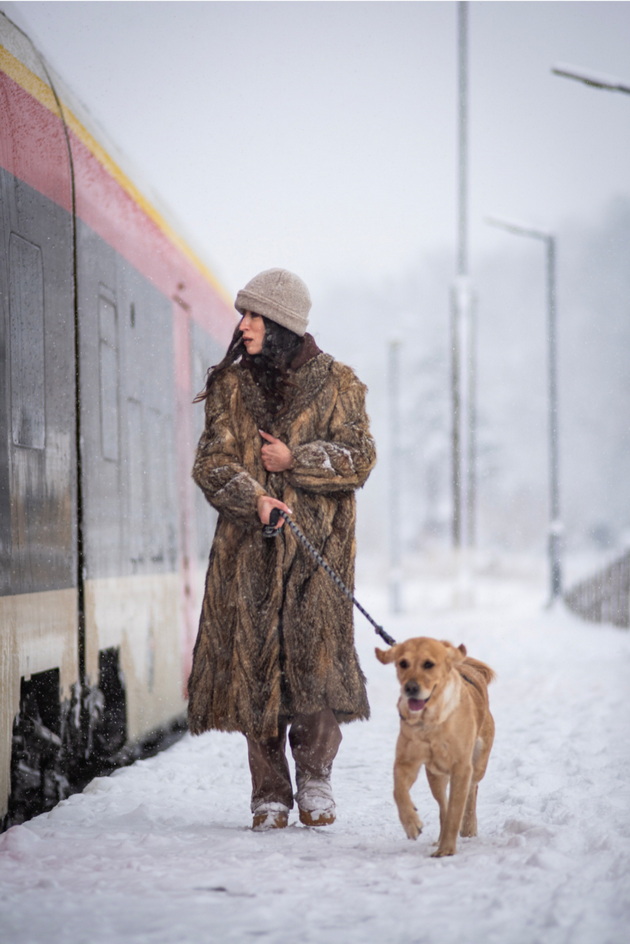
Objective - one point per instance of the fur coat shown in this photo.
(276, 634)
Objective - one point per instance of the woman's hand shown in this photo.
(266, 504)
(276, 457)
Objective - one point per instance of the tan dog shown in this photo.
(445, 724)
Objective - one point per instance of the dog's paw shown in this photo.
(442, 851)
(412, 826)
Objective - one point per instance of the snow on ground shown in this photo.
(162, 853)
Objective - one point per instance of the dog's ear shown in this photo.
(455, 654)
(462, 649)
(385, 655)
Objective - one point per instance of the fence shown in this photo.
(605, 597)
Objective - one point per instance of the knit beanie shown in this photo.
(279, 295)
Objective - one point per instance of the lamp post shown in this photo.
(462, 337)
(555, 525)
(395, 572)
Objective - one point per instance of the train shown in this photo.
(108, 323)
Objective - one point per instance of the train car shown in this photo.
(108, 321)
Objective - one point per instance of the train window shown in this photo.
(157, 483)
(137, 480)
(148, 468)
(26, 304)
(108, 361)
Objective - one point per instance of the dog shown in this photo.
(445, 724)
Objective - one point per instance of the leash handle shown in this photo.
(272, 529)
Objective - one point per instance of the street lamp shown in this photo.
(462, 307)
(594, 79)
(555, 525)
(395, 463)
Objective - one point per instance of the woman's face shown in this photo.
(252, 328)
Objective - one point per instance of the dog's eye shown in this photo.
(428, 664)
(403, 664)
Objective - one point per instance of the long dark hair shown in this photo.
(270, 369)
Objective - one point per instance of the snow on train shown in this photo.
(108, 321)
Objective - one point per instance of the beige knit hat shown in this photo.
(279, 295)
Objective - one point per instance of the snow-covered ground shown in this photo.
(162, 853)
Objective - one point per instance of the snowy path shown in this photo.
(161, 852)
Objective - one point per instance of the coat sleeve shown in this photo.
(219, 470)
(343, 460)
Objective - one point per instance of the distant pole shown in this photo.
(462, 373)
(462, 112)
(395, 554)
(555, 524)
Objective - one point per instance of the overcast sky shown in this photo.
(321, 136)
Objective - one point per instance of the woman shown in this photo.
(285, 428)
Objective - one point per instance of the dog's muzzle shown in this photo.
(417, 704)
(411, 691)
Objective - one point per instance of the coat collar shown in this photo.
(308, 350)
(310, 370)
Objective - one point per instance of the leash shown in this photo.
(271, 530)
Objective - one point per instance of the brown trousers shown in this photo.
(314, 741)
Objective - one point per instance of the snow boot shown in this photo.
(315, 801)
(270, 816)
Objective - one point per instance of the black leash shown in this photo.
(271, 530)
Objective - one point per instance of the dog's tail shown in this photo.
(487, 674)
